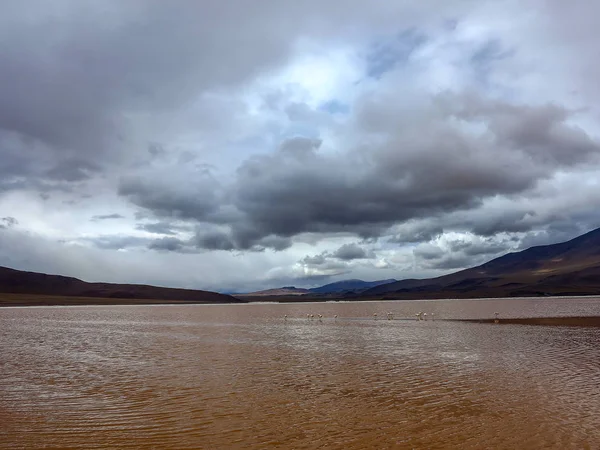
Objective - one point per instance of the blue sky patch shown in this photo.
(385, 54)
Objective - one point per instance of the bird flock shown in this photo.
(389, 316)
(420, 316)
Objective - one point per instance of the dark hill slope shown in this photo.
(571, 267)
(19, 282)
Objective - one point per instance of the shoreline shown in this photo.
(567, 321)
(25, 300)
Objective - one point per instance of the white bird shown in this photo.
(285, 317)
(335, 316)
(320, 318)
(424, 316)
(432, 316)
(418, 316)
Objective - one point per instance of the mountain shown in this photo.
(286, 290)
(344, 286)
(348, 285)
(567, 268)
(32, 283)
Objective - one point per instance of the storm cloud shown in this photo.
(474, 149)
(293, 142)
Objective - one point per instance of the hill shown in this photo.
(567, 268)
(339, 287)
(348, 285)
(286, 290)
(19, 282)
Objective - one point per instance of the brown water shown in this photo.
(241, 376)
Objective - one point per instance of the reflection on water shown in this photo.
(241, 376)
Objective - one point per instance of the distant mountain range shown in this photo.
(345, 286)
(567, 268)
(286, 290)
(32, 283)
(349, 286)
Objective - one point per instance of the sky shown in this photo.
(235, 146)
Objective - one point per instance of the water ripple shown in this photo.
(242, 377)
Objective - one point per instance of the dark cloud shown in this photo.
(73, 170)
(348, 252)
(429, 252)
(507, 222)
(460, 253)
(416, 231)
(158, 228)
(170, 244)
(94, 82)
(452, 262)
(240, 239)
(401, 176)
(478, 247)
(107, 217)
(138, 98)
(187, 195)
(8, 222)
(214, 241)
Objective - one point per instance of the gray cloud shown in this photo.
(364, 191)
(159, 228)
(85, 82)
(107, 217)
(348, 252)
(137, 99)
(479, 247)
(196, 197)
(246, 239)
(8, 222)
(170, 244)
(416, 231)
(116, 242)
(460, 253)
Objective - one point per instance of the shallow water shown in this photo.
(240, 376)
